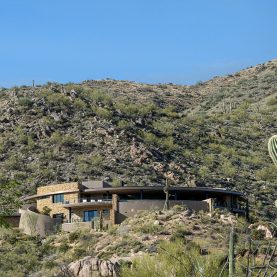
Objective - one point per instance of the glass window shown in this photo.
(106, 213)
(58, 198)
(58, 216)
(90, 215)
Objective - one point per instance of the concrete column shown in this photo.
(69, 215)
(115, 209)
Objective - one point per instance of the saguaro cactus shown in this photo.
(231, 253)
(272, 148)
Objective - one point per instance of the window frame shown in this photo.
(58, 198)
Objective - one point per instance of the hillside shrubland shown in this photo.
(181, 242)
(211, 134)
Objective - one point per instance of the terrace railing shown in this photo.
(88, 200)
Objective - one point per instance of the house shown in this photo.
(79, 204)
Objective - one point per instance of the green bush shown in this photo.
(58, 99)
(99, 95)
(180, 233)
(25, 102)
(175, 259)
(79, 104)
(73, 236)
(150, 228)
(103, 113)
(46, 210)
(257, 234)
(64, 247)
(165, 127)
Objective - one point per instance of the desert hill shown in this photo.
(210, 134)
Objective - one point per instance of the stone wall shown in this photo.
(33, 224)
(71, 227)
(75, 226)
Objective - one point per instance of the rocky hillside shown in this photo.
(210, 134)
(149, 238)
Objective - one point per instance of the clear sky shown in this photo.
(154, 41)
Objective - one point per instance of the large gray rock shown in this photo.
(93, 267)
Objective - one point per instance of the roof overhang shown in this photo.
(137, 189)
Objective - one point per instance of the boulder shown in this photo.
(93, 267)
(268, 233)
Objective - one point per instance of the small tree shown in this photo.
(46, 210)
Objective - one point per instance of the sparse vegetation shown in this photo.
(216, 131)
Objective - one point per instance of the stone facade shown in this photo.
(57, 208)
(58, 188)
(71, 195)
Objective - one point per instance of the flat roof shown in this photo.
(136, 189)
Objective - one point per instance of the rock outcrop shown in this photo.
(92, 267)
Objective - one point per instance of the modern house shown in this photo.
(80, 203)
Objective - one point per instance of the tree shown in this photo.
(9, 200)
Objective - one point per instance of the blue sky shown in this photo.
(153, 41)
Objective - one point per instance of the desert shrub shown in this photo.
(175, 259)
(203, 172)
(180, 233)
(64, 246)
(135, 109)
(227, 169)
(13, 162)
(164, 126)
(169, 111)
(88, 164)
(267, 173)
(56, 138)
(79, 252)
(25, 102)
(123, 247)
(150, 138)
(68, 141)
(167, 143)
(124, 124)
(103, 112)
(117, 182)
(98, 95)
(150, 228)
(19, 255)
(79, 104)
(257, 234)
(73, 236)
(58, 99)
(112, 230)
(272, 101)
